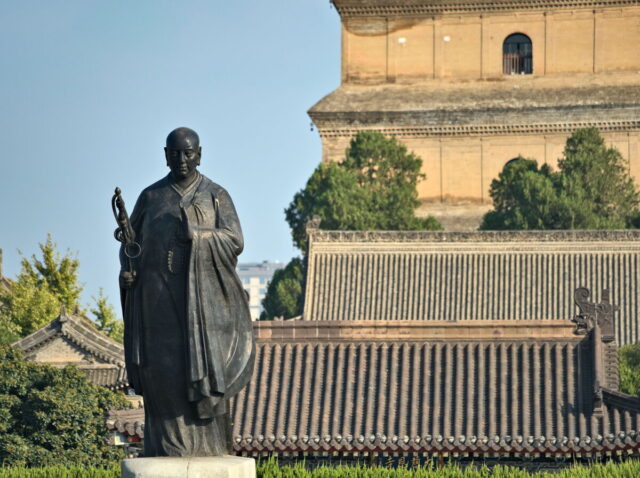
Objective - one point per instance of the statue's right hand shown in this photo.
(186, 221)
(127, 279)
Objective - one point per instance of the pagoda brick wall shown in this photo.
(430, 73)
(460, 169)
(406, 48)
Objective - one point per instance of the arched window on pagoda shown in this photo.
(517, 55)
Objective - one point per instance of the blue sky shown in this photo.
(90, 89)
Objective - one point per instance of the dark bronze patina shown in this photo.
(189, 343)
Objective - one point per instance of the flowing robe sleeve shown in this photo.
(219, 330)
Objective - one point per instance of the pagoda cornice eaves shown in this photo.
(355, 8)
(445, 131)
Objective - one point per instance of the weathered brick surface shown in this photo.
(431, 74)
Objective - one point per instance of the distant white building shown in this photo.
(255, 277)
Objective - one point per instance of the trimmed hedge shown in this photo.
(60, 472)
(271, 469)
(51, 416)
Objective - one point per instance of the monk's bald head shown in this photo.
(183, 138)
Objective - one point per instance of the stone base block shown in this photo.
(189, 467)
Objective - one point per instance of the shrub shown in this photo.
(52, 416)
(629, 369)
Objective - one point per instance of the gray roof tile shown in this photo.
(470, 276)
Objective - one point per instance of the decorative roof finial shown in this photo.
(63, 314)
(592, 314)
(313, 223)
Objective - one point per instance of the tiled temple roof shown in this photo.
(433, 392)
(107, 368)
(465, 387)
(426, 276)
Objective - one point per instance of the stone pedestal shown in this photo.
(189, 467)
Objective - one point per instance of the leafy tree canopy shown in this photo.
(42, 286)
(285, 292)
(52, 416)
(374, 188)
(106, 319)
(524, 197)
(592, 189)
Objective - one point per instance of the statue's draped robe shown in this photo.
(188, 337)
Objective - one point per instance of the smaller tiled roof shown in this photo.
(109, 367)
(5, 284)
(128, 422)
(111, 376)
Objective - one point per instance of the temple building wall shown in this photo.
(389, 49)
(61, 352)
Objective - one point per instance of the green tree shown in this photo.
(25, 309)
(106, 319)
(629, 368)
(52, 416)
(374, 188)
(597, 191)
(41, 287)
(285, 292)
(592, 189)
(524, 197)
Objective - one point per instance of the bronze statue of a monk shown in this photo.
(189, 343)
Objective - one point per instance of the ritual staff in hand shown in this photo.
(189, 343)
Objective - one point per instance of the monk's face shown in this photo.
(182, 162)
(183, 157)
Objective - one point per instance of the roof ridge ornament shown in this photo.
(313, 223)
(597, 321)
(592, 314)
(64, 316)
